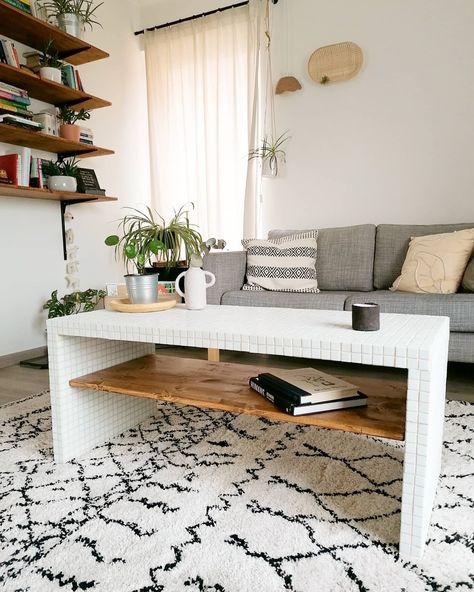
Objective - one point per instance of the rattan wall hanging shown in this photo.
(333, 63)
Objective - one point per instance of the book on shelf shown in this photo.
(11, 164)
(289, 406)
(9, 52)
(24, 5)
(5, 107)
(23, 164)
(14, 90)
(19, 121)
(36, 176)
(307, 385)
(17, 99)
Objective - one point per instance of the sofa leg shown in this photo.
(213, 354)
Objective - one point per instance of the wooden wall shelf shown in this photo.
(27, 29)
(34, 193)
(48, 91)
(24, 137)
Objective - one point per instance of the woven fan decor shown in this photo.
(333, 63)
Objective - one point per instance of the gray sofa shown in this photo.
(355, 264)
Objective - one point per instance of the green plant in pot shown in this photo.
(73, 303)
(73, 15)
(62, 174)
(271, 154)
(50, 63)
(68, 117)
(137, 245)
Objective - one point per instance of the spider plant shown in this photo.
(49, 56)
(63, 168)
(271, 151)
(83, 9)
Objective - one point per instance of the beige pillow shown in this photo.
(468, 279)
(435, 264)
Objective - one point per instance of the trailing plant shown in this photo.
(69, 116)
(63, 168)
(146, 233)
(84, 9)
(73, 303)
(271, 151)
(49, 56)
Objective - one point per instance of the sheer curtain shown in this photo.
(201, 83)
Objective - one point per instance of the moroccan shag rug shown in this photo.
(215, 502)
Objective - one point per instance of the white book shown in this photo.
(314, 381)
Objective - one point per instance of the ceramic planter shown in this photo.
(71, 23)
(62, 183)
(70, 132)
(53, 74)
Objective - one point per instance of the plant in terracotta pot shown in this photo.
(73, 15)
(137, 244)
(62, 175)
(68, 117)
(50, 63)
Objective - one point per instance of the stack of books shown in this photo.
(71, 77)
(306, 390)
(86, 136)
(24, 5)
(14, 100)
(8, 53)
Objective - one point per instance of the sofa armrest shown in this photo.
(229, 269)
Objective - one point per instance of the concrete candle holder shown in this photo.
(366, 317)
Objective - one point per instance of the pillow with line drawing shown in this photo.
(286, 264)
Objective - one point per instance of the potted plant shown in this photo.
(271, 154)
(50, 64)
(137, 245)
(62, 175)
(73, 303)
(73, 15)
(68, 128)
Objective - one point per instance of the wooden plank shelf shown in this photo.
(48, 91)
(27, 29)
(35, 193)
(18, 136)
(225, 387)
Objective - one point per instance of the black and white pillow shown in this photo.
(286, 264)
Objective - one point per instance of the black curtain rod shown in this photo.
(195, 16)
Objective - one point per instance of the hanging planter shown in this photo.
(271, 154)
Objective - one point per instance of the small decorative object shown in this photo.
(61, 174)
(68, 130)
(195, 284)
(50, 63)
(333, 63)
(48, 121)
(366, 317)
(87, 182)
(288, 83)
(72, 15)
(4, 177)
(212, 243)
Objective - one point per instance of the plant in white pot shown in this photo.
(50, 64)
(73, 15)
(68, 118)
(62, 175)
(137, 245)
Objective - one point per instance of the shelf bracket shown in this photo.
(64, 204)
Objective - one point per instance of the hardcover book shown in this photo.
(288, 406)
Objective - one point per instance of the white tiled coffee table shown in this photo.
(85, 343)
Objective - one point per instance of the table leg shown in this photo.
(84, 418)
(423, 444)
(213, 354)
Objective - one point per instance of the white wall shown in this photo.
(30, 231)
(393, 144)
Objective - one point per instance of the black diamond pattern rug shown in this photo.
(214, 502)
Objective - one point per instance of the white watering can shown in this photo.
(195, 285)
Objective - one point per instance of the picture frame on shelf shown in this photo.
(87, 182)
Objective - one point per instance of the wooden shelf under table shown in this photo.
(224, 386)
(23, 137)
(48, 91)
(33, 32)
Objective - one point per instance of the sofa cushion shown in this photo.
(391, 246)
(468, 278)
(458, 307)
(345, 256)
(435, 263)
(321, 301)
(286, 264)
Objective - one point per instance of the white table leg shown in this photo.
(423, 444)
(83, 418)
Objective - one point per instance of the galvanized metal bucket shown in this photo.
(71, 23)
(142, 289)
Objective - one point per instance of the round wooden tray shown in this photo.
(124, 305)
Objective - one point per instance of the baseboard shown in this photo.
(16, 358)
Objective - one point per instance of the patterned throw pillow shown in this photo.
(285, 264)
(435, 264)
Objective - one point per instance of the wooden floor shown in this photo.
(17, 382)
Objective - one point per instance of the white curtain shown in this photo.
(201, 88)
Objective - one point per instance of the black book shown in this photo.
(286, 405)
